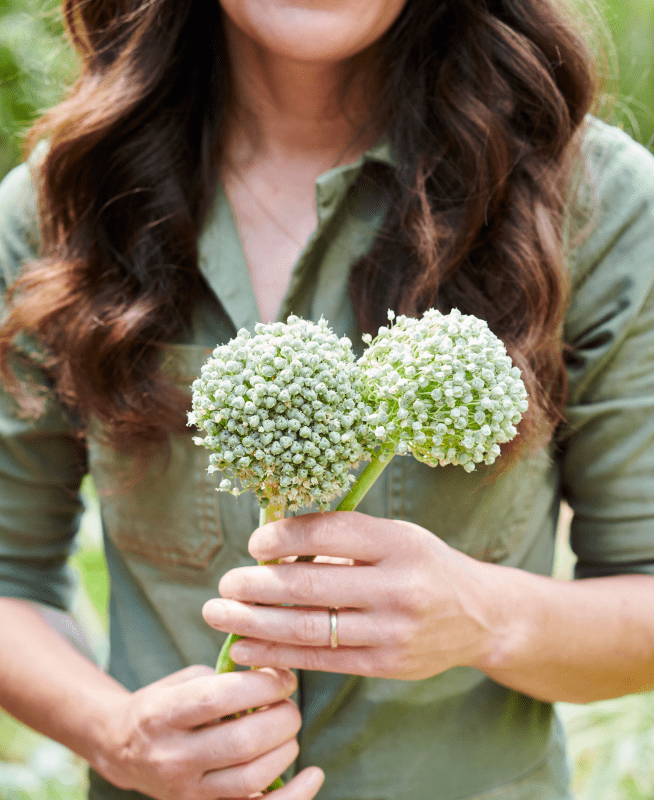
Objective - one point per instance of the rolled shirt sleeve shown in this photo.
(607, 443)
(42, 461)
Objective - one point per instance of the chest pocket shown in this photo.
(162, 506)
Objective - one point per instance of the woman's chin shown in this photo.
(310, 33)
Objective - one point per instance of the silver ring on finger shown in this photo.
(333, 629)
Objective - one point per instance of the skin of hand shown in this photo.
(170, 740)
(405, 612)
(411, 607)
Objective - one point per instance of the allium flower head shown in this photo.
(283, 412)
(443, 388)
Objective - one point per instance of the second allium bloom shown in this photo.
(283, 411)
(444, 389)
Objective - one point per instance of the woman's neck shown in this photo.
(291, 111)
(290, 121)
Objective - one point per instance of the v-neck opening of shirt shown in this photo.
(222, 259)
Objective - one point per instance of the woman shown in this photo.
(222, 163)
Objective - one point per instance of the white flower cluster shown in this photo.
(283, 412)
(444, 389)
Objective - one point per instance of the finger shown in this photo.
(342, 534)
(327, 585)
(246, 779)
(303, 786)
(206, 699)
(184, 675)
(239, 741)
(367, 661)
(297, 626)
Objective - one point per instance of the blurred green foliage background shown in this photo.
(611, 743)
(35, 66)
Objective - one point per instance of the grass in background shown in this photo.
(89, 561)
(36, 768)
(611, 744)
(36, 64)
(631, 25)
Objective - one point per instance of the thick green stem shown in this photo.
(369, 475)
(225, 663)
(362, 484)
(272, 512)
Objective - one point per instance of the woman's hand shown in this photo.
(409, 608)
(170, 740)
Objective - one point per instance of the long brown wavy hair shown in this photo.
(481, 103)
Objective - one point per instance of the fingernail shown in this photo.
(316, 778)
(212, 611)
(289, 678)
(241, 653)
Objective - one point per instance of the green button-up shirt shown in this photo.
(169, 535)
